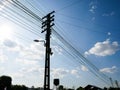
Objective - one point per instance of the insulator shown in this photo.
(52, 12)
(52, 16)
(52, 25)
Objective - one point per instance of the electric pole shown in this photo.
(47, 24)
(111, 82)
(116, 82)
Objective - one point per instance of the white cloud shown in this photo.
(21, 55)
(57, 49)
(33, 71)
(59, 72)
(26, 61)
(109, 70)
(25, 56)
(76, 73)
(3, 57)
(84, 68)
(109, 33)
(17, 75)
(93, 6)
(104, 48)
(9, 43)
(34, 51)
(109, 14)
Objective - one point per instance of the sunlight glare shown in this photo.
(5, 31)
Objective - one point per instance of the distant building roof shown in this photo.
(92, 87)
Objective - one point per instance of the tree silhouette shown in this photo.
(80, 88)
(5, 82)
(19, 87)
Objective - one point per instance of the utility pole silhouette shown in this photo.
(111, 81)
(47, 24)
(116, 82)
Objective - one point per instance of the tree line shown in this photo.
(6, 84)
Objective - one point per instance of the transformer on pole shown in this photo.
(47, 24)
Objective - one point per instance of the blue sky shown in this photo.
(86, 46)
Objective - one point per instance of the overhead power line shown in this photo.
(80, 58)
(66, 46)
(69, 5)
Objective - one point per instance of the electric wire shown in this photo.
(69, 5)
(41, 6)
(14, 20)
(23, 25)
(17, 19)
(67, 45)
(19, 35)
(26, 10)
(34, 7)
(79, 26)
(69, 41)
(87, 22)
(79, 54)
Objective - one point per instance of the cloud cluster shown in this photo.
(9, 43)
(109, 14)
(20, 55)
(113, 69)
(59, 72)
(84, 68)
(30, 57)
(57, 49)
(33, 52)
(76, 73)
(29, 73)
(93, 6)
(104, 48)
(12, 46)
(62, 72)
(108, 33)
(29, 60)
(26, 61)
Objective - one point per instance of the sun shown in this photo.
(6, 30)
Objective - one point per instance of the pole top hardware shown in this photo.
(48, 14)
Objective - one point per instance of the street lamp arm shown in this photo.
(36, 40)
